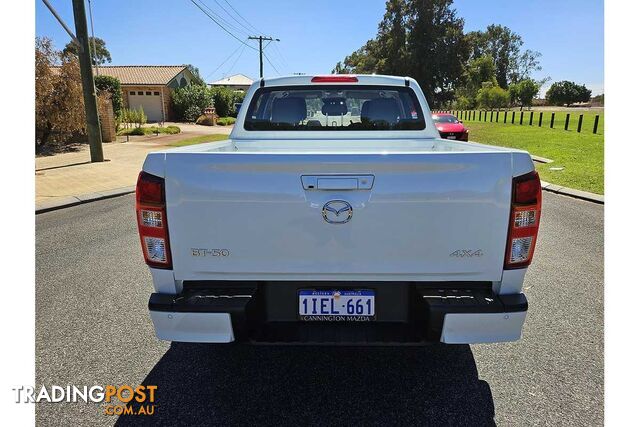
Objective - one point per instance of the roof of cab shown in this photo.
(363, 79)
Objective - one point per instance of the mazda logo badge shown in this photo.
(337, 212)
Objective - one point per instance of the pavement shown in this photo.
(92, 327)
(70, 178)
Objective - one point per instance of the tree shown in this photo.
(525, 65)
(100, 56)
(504, 46)
(59, 105)
(363, 60)
(598, 99)
(197, 78)
(392, 38)
(417, 38)
(481, 70)
(492, 96)
(436, 48)
(478, 71)
(522, 93)
(567, 93)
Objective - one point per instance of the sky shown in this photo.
(314, 35)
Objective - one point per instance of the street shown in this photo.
(92, 327)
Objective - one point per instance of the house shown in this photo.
(236, 82)
(149, 86)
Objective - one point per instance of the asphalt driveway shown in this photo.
(92, 327)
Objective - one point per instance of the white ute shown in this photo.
(335, 214)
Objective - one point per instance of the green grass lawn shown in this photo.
(588, 119)
(580, 154)
(199, 140)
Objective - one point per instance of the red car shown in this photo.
(450, 127)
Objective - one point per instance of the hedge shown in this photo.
(112, 86)
(189, 102)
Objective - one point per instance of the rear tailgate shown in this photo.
(427, 216)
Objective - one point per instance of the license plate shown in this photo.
(336, 305)
(451, 137)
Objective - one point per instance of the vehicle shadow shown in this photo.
(200, 384)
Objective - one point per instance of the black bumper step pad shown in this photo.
(427, 309)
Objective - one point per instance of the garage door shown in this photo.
(150, 101)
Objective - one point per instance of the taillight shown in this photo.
(151, 215)
(526, 204)
(336, 78)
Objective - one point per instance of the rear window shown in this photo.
(341, 107)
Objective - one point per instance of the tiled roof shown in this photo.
(142, 74)
(237, 79)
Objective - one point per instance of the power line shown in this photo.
(222, 26)
(233, 17)
(276, 46)
(234, 63)
(225, 61)
(270, 63)
(280, 63)
(223, 20)
(284, 61)
(241, 17)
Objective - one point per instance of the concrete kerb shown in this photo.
(69, 201)
(571, 192)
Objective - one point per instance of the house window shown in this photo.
(156, 93)
(140, 92)
(132, 93)
(148, 93)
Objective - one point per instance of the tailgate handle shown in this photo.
(340, 182)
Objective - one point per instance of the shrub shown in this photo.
(205, 120)
(491, 96)
(111, 85)
(190, 101)
(142, 117)
(463, 103)
(238, 98)
(222, 99)
(150, 130)
(132, 116)
(59, 104)
(225, 121)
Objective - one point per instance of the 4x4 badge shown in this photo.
(467, 253)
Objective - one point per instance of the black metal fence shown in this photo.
(502, 116)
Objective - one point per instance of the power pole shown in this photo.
(88, 85)
(260, 40)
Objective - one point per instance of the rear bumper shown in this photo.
(244, 313)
